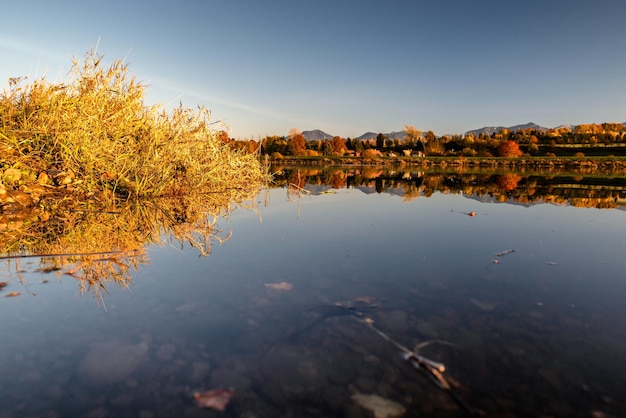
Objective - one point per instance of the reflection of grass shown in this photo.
(100, 247)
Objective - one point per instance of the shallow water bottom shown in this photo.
(537, 333)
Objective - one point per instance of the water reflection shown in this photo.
(267, 318)
(105, 246)
(606, 191)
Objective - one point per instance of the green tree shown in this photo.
(272, 144)
(358, 146)
(380, 141)
(327, 148)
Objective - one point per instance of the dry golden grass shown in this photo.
(97, 126)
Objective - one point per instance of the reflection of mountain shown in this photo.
(396, 191)
(515, 188)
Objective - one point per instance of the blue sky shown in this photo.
(345, 67)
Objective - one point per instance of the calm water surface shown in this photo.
(524, 305)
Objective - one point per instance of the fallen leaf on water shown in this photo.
(483, 305)
(214, 399)
(471, 214)
(8, 295)
(365, 299)
(3, 284)
(279, 286)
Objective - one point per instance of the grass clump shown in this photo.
(96, 126)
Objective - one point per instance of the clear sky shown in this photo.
(345, 67)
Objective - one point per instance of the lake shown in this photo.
(331, 293)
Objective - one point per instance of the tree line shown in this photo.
(579, 140)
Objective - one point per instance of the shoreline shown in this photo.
(580, 163)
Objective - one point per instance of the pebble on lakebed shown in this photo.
(381, 407)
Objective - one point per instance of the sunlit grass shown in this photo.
(97, 126)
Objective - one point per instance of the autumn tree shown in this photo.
(293, 132)
(509, 148)
(339, 145)
(296, 142)
(503, 133)
(223, 136)
(412, 135)
(434, 147)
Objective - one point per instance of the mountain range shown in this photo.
(317, 135)
(490, 130)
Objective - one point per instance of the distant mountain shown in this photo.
(490, 130)
(316, 135)
(372, 135)
(564, 126)
(367, 136)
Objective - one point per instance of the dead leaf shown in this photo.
(279, 286)
(3, 284)
(214, 399)
(472, 214)
(8, 295)
(483, 305)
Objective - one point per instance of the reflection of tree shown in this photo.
(576, 190)
(508, 182)
(296, 181)
(337, 180)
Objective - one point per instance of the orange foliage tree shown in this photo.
(296, 142)
(223, 136)
(339, 145)
(509, 149)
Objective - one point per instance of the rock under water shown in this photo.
(381, 407)
(111, 362)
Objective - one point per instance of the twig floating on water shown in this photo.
(505, 252)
